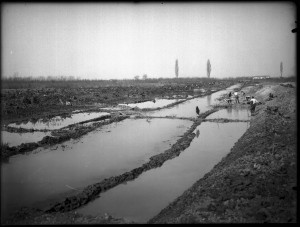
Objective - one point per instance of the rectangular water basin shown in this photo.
(232, 113)
(49, 174)
(143, 198)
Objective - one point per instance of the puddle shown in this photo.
(232, 113)
(188, 108)
(16, 139)
(157, 103)
(143, 198)
(58, 122)
(113, 149)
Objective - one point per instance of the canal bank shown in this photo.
(256, 181)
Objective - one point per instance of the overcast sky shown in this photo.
(117, 41)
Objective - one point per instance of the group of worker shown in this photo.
(252, 101)
(235, 95)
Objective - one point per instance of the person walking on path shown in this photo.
(253, 103)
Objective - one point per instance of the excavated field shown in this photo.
(255, 182)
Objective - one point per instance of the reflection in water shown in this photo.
(141, 199)
(16, 139)
(229, 111)
(156, 103)
(58, 121)
(209, 99)
(109, 151)
(187, 108)
(197, 133)
(233, 113)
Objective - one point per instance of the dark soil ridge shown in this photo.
(92, 192)
(257, 181)
(73, 132)
(165, 117)
(225, 120)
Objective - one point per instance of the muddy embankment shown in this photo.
(256, 181)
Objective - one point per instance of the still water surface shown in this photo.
(58, 122)
(141, 199)
(111, 150)
(188, 108)
(232, 113)
(16, 139)
(157, 103)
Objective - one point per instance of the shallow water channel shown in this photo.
(156, 103)
(141, 199)
(232, 113)
(188, 108)
(48, 174)
(58, 122)
(16, 139)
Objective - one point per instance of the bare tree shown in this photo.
(208, 68)
(145, 77)
(137, 77)
(176, 68)
(281, 68)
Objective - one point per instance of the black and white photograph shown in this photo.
(148, 112)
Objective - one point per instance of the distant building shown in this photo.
(260, 77)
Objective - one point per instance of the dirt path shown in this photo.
(256, 181)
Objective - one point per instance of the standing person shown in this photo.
(197, 110)
(253, 103)
(236, 95)
(229, 97)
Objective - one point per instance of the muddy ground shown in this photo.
(19, 105)
(256, 182)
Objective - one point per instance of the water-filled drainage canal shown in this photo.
(141, 199)
(16, 139)
(156, 103)
(55, 172)
(188, 108)
(232, 113)
(59, 122)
